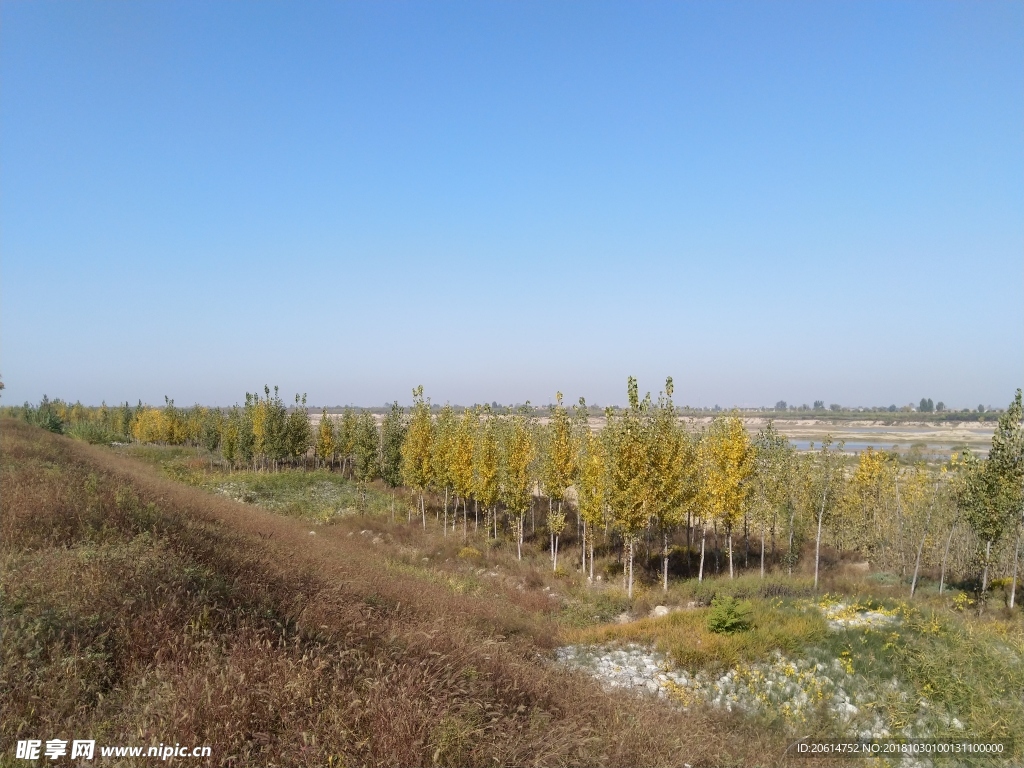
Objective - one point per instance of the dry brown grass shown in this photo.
(140, 611)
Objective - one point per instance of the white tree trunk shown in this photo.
(703, 540)
(792, 527)
(920, 549)
(664, 562)
(728, 542)
(1013, 583)
(984, 572)
(945, 556)
(583, 541)
(629, 592)
(762, 550)
(817, 540)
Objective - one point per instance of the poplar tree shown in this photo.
(630, 480)
(517, 452)
(730, 464)
(417, 449)
(591, 488)
(485, 465)
(1006, 465)
(703, 503)
(443, 448)
(246, 432)
(772, 467)
(463, 448)
(828, 477)
(557, 470)
(992, 491)
(345, 431)
(671, 473)
(366, 448)
(230, 437)
(392, 436)
(212, 429)
(325, 440)
(298, 433)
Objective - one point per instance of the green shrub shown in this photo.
(728, 615)
(91, 433)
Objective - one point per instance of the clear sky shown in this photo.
(498, 200)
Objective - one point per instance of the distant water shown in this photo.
(942, 450)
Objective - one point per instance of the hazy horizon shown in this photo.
(796, 201)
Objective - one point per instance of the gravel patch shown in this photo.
(792, 688)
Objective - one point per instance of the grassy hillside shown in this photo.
(137, 610)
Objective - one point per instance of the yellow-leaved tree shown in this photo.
(417, 449)
(591, 489)
(485, 469)
(730, 462)
(325, 441)
(627, 438)
(557, 470)
(442, 455)
(517, 452)
(462, 449)
(672, 472)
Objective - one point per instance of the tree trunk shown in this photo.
(591, 557)
(688, 542)
(522, 524)
(792, 525)
(817, 540)
(703, 539)
(920, 549)
(465, 520)
(423, 510)
(446, 512)
(728, 541)
(746, 541)
(629, 592)
(945, 556)
(476, 515)
(762, 550)
(984, 572)
(718, 549)
(899, 532)
(664, 562)
(555, 568)
(775, 522)
(1013, 583)
(583, 540)
(583, 537)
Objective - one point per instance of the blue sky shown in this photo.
(790, 200)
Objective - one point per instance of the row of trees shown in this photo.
(647, 477)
